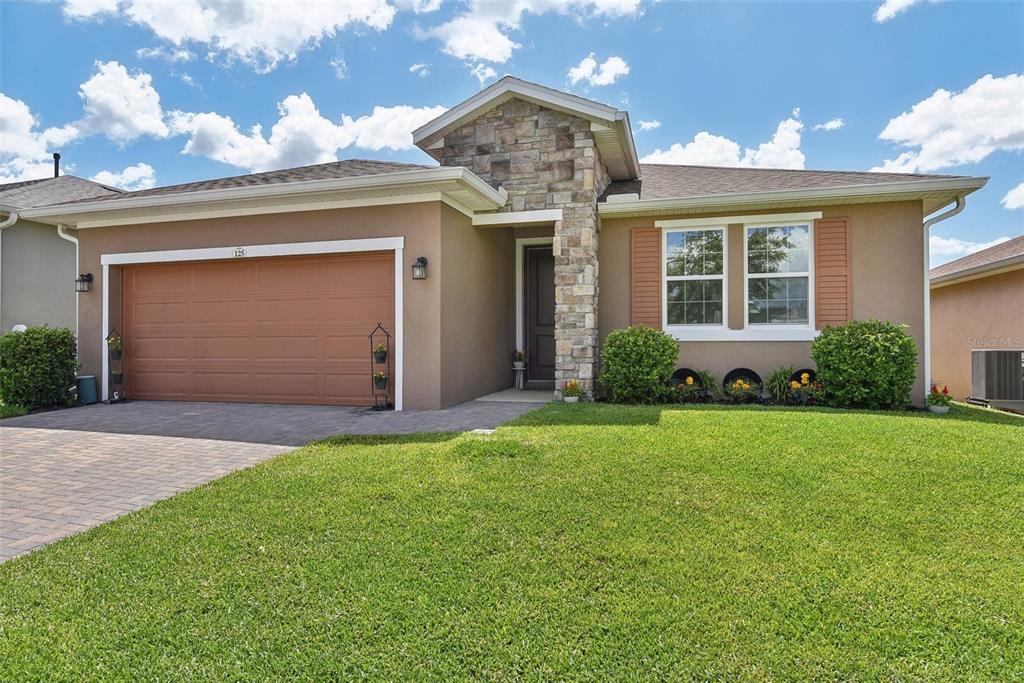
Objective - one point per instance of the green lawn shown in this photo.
(583, 542)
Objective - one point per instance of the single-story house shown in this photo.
(977, 304)
(538, 230)
(38, 260)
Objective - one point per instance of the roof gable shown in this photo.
(612, 133)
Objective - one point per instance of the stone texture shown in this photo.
(547, 159)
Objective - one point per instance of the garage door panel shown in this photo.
(279, 330)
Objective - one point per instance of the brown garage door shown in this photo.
(271, 330)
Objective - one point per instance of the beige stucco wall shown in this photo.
(420, 224)
(477, 308)
(37, 276)
(888, 263)
(987, 313)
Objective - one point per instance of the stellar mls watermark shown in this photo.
(1010, 341)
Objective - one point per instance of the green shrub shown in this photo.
(8, 410)
(637, 363)
(37, 367)
(865, 364)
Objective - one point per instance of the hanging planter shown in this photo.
(380, 381)
(117, 378)
(380, 354)
(114, 344)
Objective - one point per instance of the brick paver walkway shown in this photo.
(68, 470)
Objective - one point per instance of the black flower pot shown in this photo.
(380, 383)
(116, 378)
(380, 356)
(115, 355)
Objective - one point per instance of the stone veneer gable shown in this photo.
(547, 159)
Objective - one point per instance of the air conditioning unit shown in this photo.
(997, 375)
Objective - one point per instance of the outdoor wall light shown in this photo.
(83, 282)
(419, 269)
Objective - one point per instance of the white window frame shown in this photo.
(682, 331)
(809, 274)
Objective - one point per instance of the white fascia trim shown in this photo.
(382, 180)
(965, 185)
(719, 221)
(254, 251)
(487, 220)
(506, 88)
(520, 285)
(758, 333)
(1005, 265)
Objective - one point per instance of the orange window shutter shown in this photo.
(645, 277)
(833, 274)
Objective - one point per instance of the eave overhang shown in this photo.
(455, 186)
(1006, 265)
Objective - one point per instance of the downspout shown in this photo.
(61, 232)
(961, 202)
(11, 219)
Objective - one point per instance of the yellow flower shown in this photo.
(805, 378)
(794, 384)
(689, 381)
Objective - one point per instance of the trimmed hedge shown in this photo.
(636, 365)
(866, 364)
(37, 367)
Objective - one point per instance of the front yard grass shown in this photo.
(582, 542)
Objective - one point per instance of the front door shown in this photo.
(539, 309)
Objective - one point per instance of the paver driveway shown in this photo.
(68, 470)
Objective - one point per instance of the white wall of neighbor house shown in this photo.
(37, 277)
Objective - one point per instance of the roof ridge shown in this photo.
(952, 266)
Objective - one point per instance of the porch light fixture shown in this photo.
(419, 268)
(83, 283)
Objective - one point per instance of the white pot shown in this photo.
(571, 399)
(518, 365)
(939, 410)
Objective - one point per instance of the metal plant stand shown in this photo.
(380, 368)
(115, 367)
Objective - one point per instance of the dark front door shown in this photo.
(539, 309)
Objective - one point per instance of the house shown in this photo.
(539, 229)
(37, 258)
(977, 303)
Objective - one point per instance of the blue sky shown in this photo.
(137, 93)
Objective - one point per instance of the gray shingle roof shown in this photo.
(348, 168)
(999, 252)
(45, 191)
(664, 181)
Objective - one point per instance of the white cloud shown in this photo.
(121, 105)
(830, 125)
(302, 135)
(707, 149)
(649, 125)
(890, 8)
(261, 34)
(481, 33)
(942, 249)
(141, 176)
(168, 54)
(1014, 199)
(606, 73)
(24, 149)
(483, 73)
(421, 70)
(340, 67)
(953, 128)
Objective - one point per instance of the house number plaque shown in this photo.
(239, 251)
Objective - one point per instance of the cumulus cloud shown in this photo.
(141, 176)
(25, 149)
(261, 34)
(1014, 199)
(605, 73)
(830, 125)
(942, 249)
(953, 128)
(707, 149)
(340, 67)
(302, 135)
(421, 70)
(481, 33)
(483, 73)
(649, 125)
(890, 8)
(121, 105)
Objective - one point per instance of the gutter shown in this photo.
(961, 202)
(61, 232)
(11, 219)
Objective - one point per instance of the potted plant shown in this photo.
(117, 378)
(380, 380)
(380, 354)
(571, 391)
(519, 360)
(691, 389)
(938, 401)
(743, 390)
(115, 344)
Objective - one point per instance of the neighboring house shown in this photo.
(37, 258)
(540, 230)
(977, 303)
